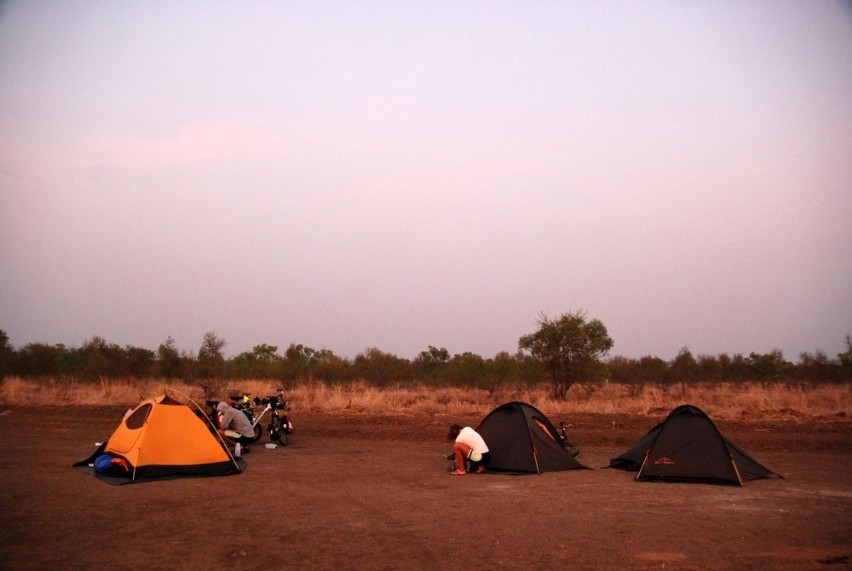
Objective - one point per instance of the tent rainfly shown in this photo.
(687, 447)
(521, 439)
(163, 438)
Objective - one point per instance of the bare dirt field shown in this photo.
(363, 492)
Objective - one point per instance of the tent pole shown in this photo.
(645, 461)
(736, 470)
(210, 424)
(534, 451)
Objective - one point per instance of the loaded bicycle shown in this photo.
(279, 427)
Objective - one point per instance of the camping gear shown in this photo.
(687, 447)
(107, 465)
(521, 439)
(279, 428)
(468, 465)
(163, 437)
(243, 404)
(572, 448)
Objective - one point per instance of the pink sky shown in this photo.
(408, 175)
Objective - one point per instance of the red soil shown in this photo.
(361, 492)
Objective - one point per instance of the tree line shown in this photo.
(561, 352)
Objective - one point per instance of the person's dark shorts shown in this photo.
(484, 458)
(237, 437)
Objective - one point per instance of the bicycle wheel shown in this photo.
(277, 435)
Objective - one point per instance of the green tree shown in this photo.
(530, 370)
(498, 372)
(504, 366)
(711, 369)
(41, 359)
(168, 359)
(6, 353)
(845, 358)
(684, 368)
(570, 349)
(621, 369)
(650, 369)
(97, 358)
(328, 367)
(431, 363)
(769, 366)
(724, 361)
(140, 362)
(210, 358)
(380, 368)
(259, 363)
(814, 367)
(264, 352)
(299, 360)
(211, 347)
(738, 368)
(467, 369)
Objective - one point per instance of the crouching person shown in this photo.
(234, 425)
(468, 445)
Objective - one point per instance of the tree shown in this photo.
(140, 361)
(684, 367)
(504, 366)
(97, 358)
(466, 369)
(39, 359)
(711, 368)
(816, 367)
(769, 366)
(329, 367)
(211, 347)
(650, 369)
(6, 353)
(430, 363)
(264, 352)
(380, 368)
(260, 363)
(570, 348)
(845, 358)
(168, 359)
(299, 360)
(210, 357)
(298, 353)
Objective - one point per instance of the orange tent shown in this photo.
(162, 437)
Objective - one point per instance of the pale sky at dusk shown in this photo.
(402, 174)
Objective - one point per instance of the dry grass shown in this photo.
(746, 401)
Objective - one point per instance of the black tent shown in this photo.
(687, 447)
(522, 439)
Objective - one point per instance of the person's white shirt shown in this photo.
(469, 436)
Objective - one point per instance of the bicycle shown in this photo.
(567, 444)
(279, 428)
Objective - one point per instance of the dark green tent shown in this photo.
(521, 439)
(687, 447)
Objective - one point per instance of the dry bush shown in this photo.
(731, 401)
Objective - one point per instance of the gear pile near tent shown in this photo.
(687, 447)
(521, 439)
(164, 438)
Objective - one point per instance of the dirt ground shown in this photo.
(360, 492)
